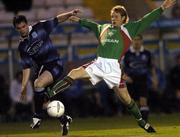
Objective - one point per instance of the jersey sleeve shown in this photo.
(137, 27)
(95, 27)
(49, 25)
(26, 60)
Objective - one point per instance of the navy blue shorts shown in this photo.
(54, 67)
(138, 88)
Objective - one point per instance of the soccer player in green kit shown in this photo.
(114, 40)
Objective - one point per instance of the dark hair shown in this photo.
(121, 9)
(18, 19)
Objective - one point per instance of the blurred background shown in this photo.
(77, 46)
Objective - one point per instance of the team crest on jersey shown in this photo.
(110, 33)
(34, 35)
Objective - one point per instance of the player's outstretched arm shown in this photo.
(87, 23)
(65, 16)
(139, 26)
(168, 3)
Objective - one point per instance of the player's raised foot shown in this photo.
(65, 122)
(35, 123)
(146, 126)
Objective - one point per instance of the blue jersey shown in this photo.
(136, 64)
(37, 47)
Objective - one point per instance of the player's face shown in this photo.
(137, 43)
(23, 29)
(116, 19)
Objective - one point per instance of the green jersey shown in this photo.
(114, 41)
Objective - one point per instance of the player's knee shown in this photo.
(123, 95)
(75, 73)
(38, 84)
(127, 100)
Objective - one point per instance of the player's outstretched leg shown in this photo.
(133, 108)
(65, 121)
(67, 81)
(60, 86)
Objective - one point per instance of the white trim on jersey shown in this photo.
(104, 29)
(126, 31)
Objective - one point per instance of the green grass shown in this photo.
(166, 126)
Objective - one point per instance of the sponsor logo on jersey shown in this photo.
(110, 33)
(110, 41)
(34, 48)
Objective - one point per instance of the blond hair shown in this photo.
(122, 11)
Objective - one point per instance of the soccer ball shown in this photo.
(55, 108)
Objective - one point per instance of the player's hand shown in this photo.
(74, 19)
(127, 78)
(168, 3)
(23, 94)
(75, 12)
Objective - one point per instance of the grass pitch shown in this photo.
(125, 126)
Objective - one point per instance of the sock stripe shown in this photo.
(58, 86)
(62, 87)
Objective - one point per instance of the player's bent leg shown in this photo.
(42, 101)
(39, 97)
(67, 81)
(133, 108)
(43, 80)
(144, 107)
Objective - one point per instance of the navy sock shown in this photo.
(145, 112)
(39, 99)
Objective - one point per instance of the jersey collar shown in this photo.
(133, 50)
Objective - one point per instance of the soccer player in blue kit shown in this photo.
(35, 46)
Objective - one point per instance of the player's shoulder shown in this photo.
(147, 51)
(37, 25)
(130, 23)
(106, 25)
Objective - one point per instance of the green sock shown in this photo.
(134, 110)
(60, 86)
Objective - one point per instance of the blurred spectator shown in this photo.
(20, 109)
(176, 10)
(174, 78)
(156, 86)
(4, 99)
